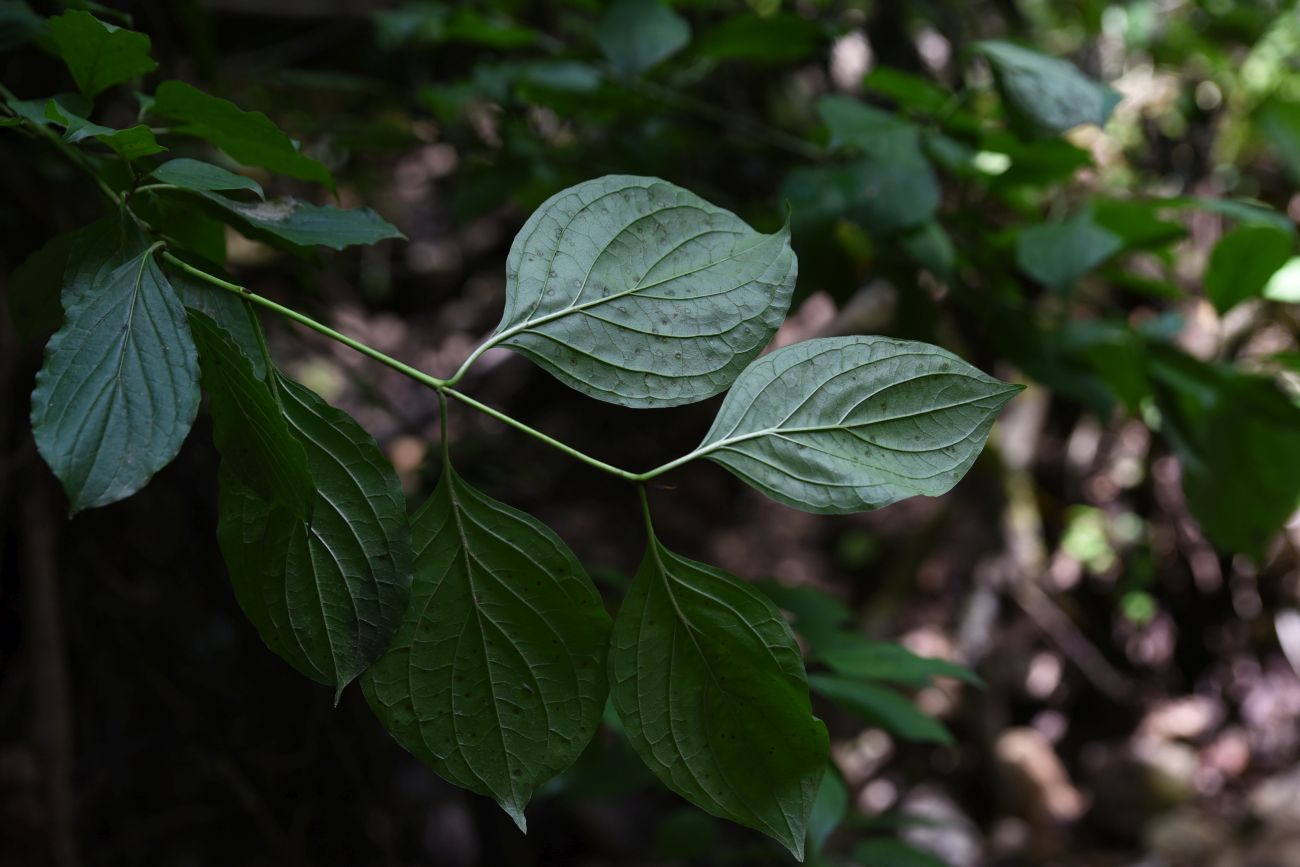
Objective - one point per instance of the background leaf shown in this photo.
(248, 136)
(847, 424)
(327, 594)
(1243, 262)
(1058, 254)
(302, 224)
(118, 389)
(882, 707)
(640, 293)
(636, 35)
(496, 679)
(99, 56)
(708, 681)
(1047, 95)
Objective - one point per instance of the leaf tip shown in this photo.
(515, 810)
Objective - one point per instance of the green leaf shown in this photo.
(893, 663)
(818, 616)
(908, 90)
(640, 293)
(1243, 262)
(893, 853)
(329, 593)
(249, 427)
(930, 247)
(881, 707)
(18, 24)
(118, 390)
(1059, 253)
(99, 55)
(1045, 95)
(1235, 437)
(247, 136)
(203, 177)
(1279, 122)
(302, 224)
(847, 424)
(33, 288)
(496, 679)
(881, 195)
(636, 35)
(231, 314)
(708, 681)
(133, 142)
(774, 38)
(875, 132)
(829, 809)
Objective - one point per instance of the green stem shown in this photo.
(645, 513)
(306, 321)
(442, 386)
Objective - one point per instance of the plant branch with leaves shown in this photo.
(477, 636)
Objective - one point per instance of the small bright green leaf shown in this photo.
(99, 55)
(774, 38)
(303, 224)
(829, 809)
(34, 286)
(1046, 95)
(893, 663)
(231, 314)
(1059, 253)
(118, 390)
(133, 142)
(249, 427)
(640, 293)
(709, 683)
(636, 35)
(1243, 262)
(1284, 285)
(847, 424)
(908, 90)
(496, 679)
(203, 177)
(881, 852)
(327, 594)
(248, 136)
(881, 707)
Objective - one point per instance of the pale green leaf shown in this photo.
(496, 679)
(248, 423)
(248, 136)
(99, 55)
(636, 35)
(881, 707)
(708, 681)
(203, 177)
(640, 293)
(327, 594)
(1243, 262)
(118, 390)
(1044, 94)
(302, 224)
(847, 424)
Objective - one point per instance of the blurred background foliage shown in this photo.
(1101, 622)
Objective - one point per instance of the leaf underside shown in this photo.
(118, 390)
(849, 424)
(496, 679)
(640, 293)
(326, 593)
(709, 683)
